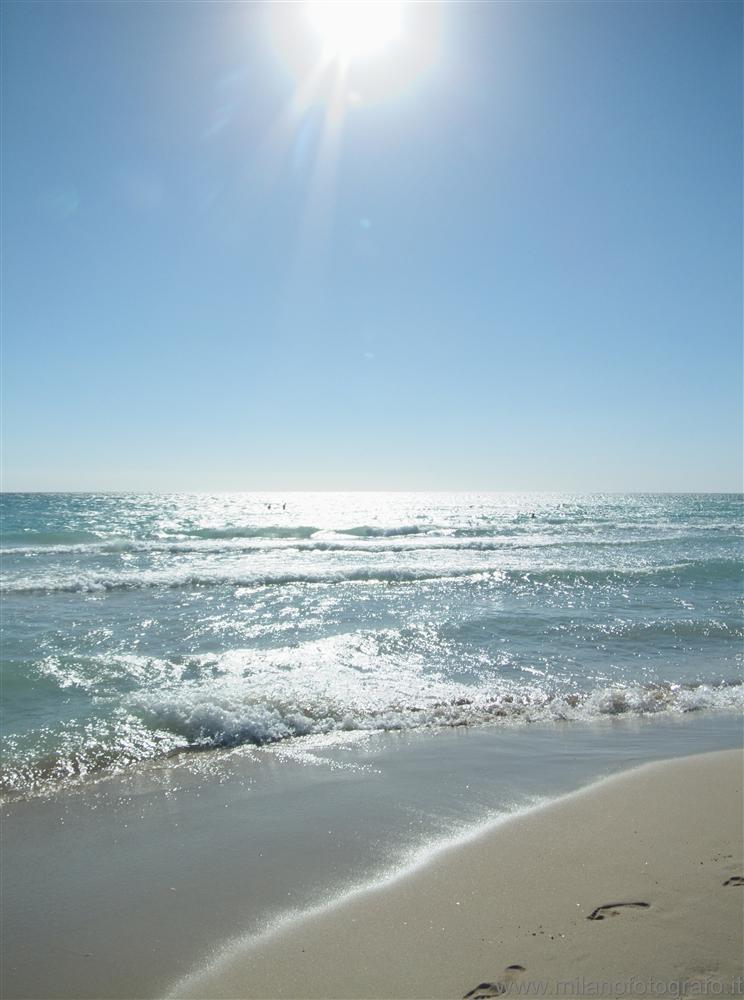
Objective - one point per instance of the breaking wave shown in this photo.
(90, 582)
(365, 531)
(223, 719)
(226, 715)
(250, 531)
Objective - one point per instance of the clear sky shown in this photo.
(503, 251)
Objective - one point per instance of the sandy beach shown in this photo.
(630, 887)
(134, 885)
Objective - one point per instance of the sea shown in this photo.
(143, 627)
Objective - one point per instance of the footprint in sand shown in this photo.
(734, 880)
(485, 990)
(612, 910)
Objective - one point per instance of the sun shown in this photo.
(355, 53)
(350, 29)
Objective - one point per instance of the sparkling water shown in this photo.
(136, 626)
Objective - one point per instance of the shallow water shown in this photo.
(136, 626)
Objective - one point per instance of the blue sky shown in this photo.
(521, 270)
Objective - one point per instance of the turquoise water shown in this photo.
(136, 626)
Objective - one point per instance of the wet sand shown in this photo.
(125, 886)
(632, 886)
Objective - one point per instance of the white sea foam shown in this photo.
(347, 683)
(86, 582)
(222, 716)
(329, 541)
(239, 575)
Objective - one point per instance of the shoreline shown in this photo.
(629, 886)
(136, 883)
(187, 758)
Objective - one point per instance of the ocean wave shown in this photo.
(368, 531)
(252, 531)
(197, 718)
(90, 582)
(233, 545)
(329, 542)
(222, 719)
(97, 583)
(40, 542)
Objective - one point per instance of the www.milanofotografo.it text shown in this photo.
(705, 986)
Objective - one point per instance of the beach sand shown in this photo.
(129, 885)
(630, 887)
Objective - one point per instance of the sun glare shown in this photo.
(371, 51)
(353, 28)
(342, 56)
